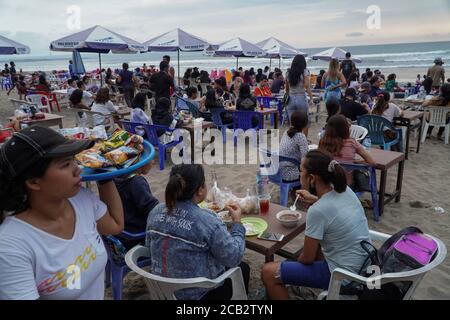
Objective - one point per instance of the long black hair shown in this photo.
(76, 97)
(297, 70)
(13, 191)
(139, 101)
(445, 94)
(318, 162)
(184, 182)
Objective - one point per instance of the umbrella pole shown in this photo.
(270, 64)
(237, 63)
(179, 67)
(100, 62)
(279, 63)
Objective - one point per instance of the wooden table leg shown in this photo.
(420, 134)
(277, 119)
(401, 167)
(60, 124)
(408, 131)
(270, 258)
(382, 192)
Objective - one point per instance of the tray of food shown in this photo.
(121, 154)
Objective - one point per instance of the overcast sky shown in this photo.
(305, 24)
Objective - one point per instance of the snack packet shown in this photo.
(119, 138)
(91, 159)
(121, 155)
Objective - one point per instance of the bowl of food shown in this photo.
(225, 217)
(289, 218)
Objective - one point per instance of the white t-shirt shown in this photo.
(87, 98)
(105, 109)
(391, 112)
(36, 265)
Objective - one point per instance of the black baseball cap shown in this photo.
(35, 143)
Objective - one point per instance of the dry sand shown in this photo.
(425, 186)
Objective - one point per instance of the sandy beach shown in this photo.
(425, 186)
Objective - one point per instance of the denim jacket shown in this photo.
(192, 242)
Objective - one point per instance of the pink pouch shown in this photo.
(417, 246)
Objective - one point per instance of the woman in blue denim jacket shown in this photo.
(186, 241)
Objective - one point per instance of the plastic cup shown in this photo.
(264, 204)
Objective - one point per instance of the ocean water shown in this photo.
(405, 58)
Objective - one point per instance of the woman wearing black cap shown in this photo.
(50, 244)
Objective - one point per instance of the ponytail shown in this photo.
(339, 178)
(382, 103)
(320, 162)
(184, 182)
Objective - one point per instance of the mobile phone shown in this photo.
(271, 236)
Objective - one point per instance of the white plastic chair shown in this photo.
(162, 288)
(357, 132)
(415, 276)
(88, 119)
(437, 118)
(37, 100)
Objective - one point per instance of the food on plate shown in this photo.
(214, 206)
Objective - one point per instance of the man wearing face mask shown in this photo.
(335, 227)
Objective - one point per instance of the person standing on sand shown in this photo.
(171, 71)
(437, 73)
(347, 66)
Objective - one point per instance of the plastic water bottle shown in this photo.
(262, 183)
(367, 143)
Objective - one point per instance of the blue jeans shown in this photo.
(315, 275)
(298, 103)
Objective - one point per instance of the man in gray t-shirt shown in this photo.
(339, 223)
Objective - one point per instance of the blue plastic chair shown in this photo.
(373, 184)
(244, 120)
(376, 126)
(217, 120)
(276, 176)
(181, 104)
(6, 83)
(116, 268)
(266, 103)
(152, 136)
(185, 105)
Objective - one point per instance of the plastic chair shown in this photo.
(89, 122)
(243, 120)
(217, 120)
(152, 136)
(116, 268)
(372, 182)
(273, 159)
(438, 118)
(358, 133)
(181, 104)
(414, 276)
(190, 107)
(52, 99)
(40, 101)
(376, 126)
(162, 288)
(6, 83)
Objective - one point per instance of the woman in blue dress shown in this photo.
(333, 80)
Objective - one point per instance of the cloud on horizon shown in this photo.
(301, 23)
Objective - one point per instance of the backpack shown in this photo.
(406, 250)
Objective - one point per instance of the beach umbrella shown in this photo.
(277, 49)
(333, 53)
(238, 47)
(97, 40)
(8, 46)
(176, 40)
(78, 65)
